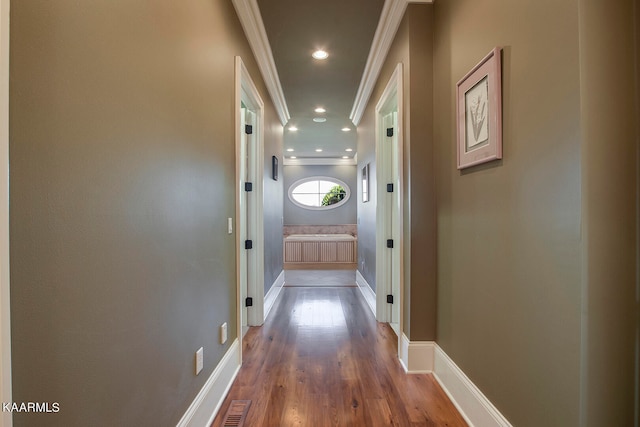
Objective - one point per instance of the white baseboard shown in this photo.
(427, 357)
(271, 296)
(367, 292)
(417, 357)
(474, 406)
(207, 403)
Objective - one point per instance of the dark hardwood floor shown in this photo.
(321, 359)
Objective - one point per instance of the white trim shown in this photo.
(255, 315)
(251, 20)
(207, 403)
(5, 297)
(474, 406)
(367, 292)
(427, 357)
(322, 161)
(392, 14)
(390, 101)
(247, 92)
(271, 296)
(417, 357)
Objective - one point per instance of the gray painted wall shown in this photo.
(367, 210)
(122, 172)
(273, 206)
(345, 214)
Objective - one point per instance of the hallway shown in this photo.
(313, 362)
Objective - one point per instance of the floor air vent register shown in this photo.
(236, 413)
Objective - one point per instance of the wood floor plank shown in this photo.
(379, 414)
(321, 359)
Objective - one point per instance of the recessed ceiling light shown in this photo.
(345, 129)
(345, 157)
(318, 150)
(320, 110)
(349, 149)
(320, 54)
(319, 119)
(293, 157)
(293, 128)
(289, 149)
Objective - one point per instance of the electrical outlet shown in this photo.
(199, 360)
(223, 333)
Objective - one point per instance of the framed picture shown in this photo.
(479, 112)
(365, 183)
(274, 168)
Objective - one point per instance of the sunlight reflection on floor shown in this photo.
(319, 313)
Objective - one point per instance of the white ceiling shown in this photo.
(344, 29)
(357, 35)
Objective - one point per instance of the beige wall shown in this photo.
(420, 185)
(609, 211)
(398, 53)
(509, 242)
(412, 47)
(536, 253)
(122, 179)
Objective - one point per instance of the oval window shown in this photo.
(319, 192)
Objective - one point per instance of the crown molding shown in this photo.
(319, 161)
(251, 20)
(392, 13)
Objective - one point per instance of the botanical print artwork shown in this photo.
(477, 107)
(479, 112)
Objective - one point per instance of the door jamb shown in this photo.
(390, 98)
(246, 91)
(5, 304)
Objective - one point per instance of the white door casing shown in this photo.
(249, 109)
(5, 317)
(389, 208)
(242, 228)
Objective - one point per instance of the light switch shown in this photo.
(199, 360)
(223, 333)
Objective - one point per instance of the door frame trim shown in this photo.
(5, 294)
(390, 100)
(246, 91)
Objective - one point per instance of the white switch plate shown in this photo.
(223, 333)
(199, 360)
(230, 225)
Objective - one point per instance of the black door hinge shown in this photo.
(248, 302)
(389, 188)
(390, 243)
(389, 299)
(248, 129)
(248, 186)
(248, 244)
(389, 132)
